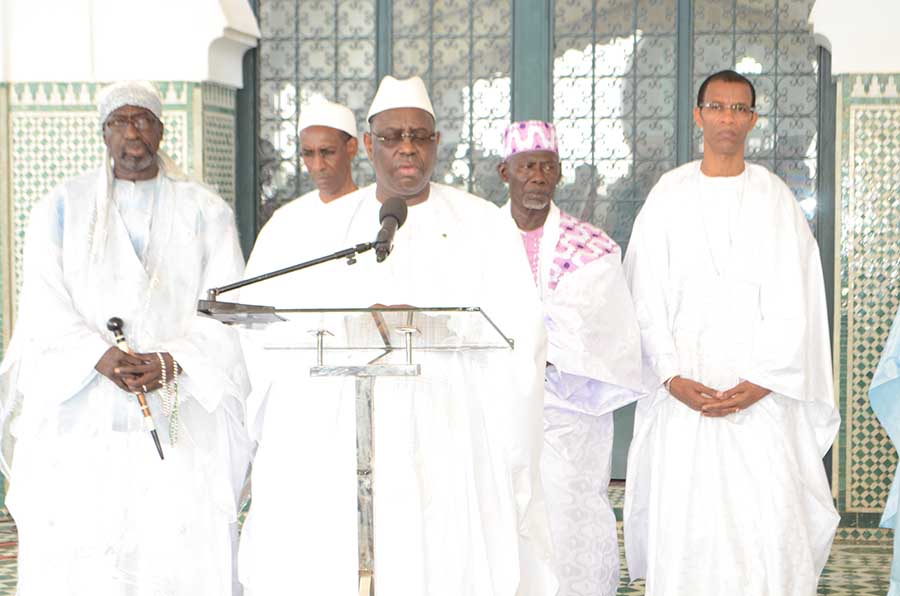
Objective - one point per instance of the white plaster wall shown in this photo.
(106, 40)
(861, 34)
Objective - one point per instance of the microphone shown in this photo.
(392, 216)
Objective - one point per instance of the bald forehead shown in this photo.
(403, 118)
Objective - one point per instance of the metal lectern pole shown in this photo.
(365, 465)
(365, 476)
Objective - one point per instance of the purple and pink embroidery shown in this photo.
(529, 135)
(579, 243)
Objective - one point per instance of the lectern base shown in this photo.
(366, 584)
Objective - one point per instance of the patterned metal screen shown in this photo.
(308, 48)
(615, 73)
(461, 48)
(616, 70)
(614, 89)
(769, 42)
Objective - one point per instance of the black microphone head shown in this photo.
(393, 207)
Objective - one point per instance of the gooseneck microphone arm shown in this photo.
(391, 216)
(347, 253)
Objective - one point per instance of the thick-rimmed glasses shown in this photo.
(740, 110)
(417, 138)
(141, 122)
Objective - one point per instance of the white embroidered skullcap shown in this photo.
(400, 93)
(327, 113)
(141, 94)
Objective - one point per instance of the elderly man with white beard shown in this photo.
(593, 358)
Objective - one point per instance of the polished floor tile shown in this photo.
(854, 569)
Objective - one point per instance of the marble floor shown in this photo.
(854, 569)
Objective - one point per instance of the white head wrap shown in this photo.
(141, 94)
(327, 113)
(400, 93)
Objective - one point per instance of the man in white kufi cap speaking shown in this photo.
(458, 501)
(97, 508)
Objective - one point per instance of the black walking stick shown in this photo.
(116, 325)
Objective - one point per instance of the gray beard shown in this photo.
(535, 204)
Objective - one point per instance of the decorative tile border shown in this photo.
(219, 98)
(5, 259)
(879, 536)
(868, 281)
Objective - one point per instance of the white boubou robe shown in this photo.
(458, 503)
(594, 368)
(885, 397)
(727, 284)
(97, 511)
(304, 229)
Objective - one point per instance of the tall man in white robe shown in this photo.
(726, 492)
(593, 358)
(97, 510)
(885, 397)
(458, 502)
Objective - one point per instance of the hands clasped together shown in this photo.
(134, 373)
(713, 403)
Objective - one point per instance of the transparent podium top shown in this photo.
(376, 328)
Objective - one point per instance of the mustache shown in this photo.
(142, 142)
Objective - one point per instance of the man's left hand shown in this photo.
(740, 397)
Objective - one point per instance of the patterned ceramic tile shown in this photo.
(869, 162)
(5, 311)
(219, 126)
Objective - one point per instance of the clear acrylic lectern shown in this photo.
(366, 343)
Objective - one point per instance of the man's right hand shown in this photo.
(109, 364)
(691, 393)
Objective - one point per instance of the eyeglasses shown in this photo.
(740, 110)
(418, 138)
(141, 122)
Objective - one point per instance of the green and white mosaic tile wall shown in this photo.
(219, 109)
(5, 264)
(868, 285)
(50, 132)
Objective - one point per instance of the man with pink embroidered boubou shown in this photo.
(593, 357)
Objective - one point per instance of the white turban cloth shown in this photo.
(140, 94)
